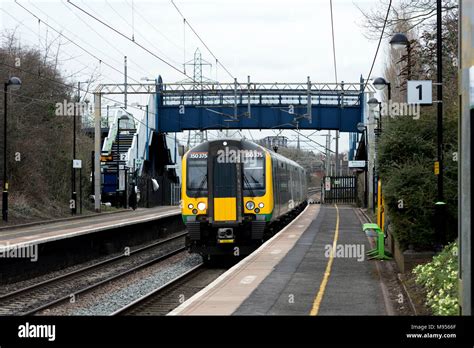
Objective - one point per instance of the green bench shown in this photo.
(379, 253)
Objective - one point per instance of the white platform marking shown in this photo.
(248, 279)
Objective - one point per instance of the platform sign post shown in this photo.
(466, 131)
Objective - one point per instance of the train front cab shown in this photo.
(233, 219)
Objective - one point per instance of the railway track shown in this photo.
(39, 296)
(164, 299)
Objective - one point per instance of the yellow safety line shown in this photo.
(327, 272)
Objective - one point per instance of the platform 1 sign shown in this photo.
(420, 92)
(356, 164)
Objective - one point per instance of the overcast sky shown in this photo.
(270, 40)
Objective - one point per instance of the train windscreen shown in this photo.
(254, 177)
(196, 177)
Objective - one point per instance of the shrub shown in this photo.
(407, 152)
(440, 280)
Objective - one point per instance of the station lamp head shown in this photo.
(399, 41)
(379, 83)
(14, 83)
(373, 102)
(360, 126)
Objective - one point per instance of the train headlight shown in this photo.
(190, 206)
(261, 205)
(201, 206)
(250, 205)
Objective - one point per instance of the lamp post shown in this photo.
(361, 127)
(440, 205)
(14, 83)
(398, 42)
(373, 103)
(73, 172)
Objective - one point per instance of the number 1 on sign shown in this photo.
(420, 92)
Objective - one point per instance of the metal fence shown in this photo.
(339, 189)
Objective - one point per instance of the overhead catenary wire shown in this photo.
(333, 42)
(139, 14)
(105, 40)
(128, 38)
(73, 42)
(186, 22)
(313, 141)
(133, 37)
(378, 45)
(79, 38)
(72, 86)
(70, 57)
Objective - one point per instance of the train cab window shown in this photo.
(254, 177)
(196, 177)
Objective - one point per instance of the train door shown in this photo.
(226, 183)
(225, 191)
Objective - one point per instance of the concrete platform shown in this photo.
(295, 272)
(49, 232)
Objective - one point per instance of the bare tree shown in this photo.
(39, 141)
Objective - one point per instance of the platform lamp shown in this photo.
(14, 83)
(380, 83)
(373, 103)
(398, 42)
(362, 128)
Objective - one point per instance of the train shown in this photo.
(234, 193)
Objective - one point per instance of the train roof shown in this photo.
(248, 145)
